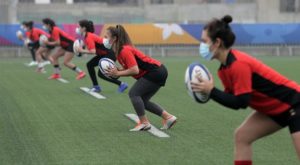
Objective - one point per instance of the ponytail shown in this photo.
(122, 37)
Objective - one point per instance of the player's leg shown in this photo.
(122, 85)
(294, 126)
(168, 119)
(32, 50)
(54, 58)
(256, 126)
(90, 65)
(296, 140)
(139, 88)
(67, 62)
(39, 54)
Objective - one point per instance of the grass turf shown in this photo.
(47, 122)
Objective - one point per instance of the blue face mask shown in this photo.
(205, 52)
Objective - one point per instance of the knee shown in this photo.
(241, 136)
(132, 93)
(66, 63)
(89, 65)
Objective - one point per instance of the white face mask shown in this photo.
(77, 31)
(106, 43)
(45, 27)
(22, 27)
(25, 29)
(205, 52)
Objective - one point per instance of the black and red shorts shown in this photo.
(290, 118)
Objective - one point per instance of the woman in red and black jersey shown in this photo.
(31, 40)
(249, 82)
(150, 73)
(64, 42)
(94, 45)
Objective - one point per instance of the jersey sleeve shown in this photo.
(241, 77)
(55, 34)
(90, 43)
(27, 34)
(128, 58)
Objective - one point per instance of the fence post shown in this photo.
(150, 51)
(290, 48)
(277, 51)
(163, 53)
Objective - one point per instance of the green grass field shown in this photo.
(47, 122)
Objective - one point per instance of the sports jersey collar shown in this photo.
(230, 59)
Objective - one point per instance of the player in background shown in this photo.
(150, 74)
(64, 42)
(31, 41)
(94, 45)
(249, 82)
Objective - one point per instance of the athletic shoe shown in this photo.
(167, 124)
(122, 87)
(141, 127)
(96, 89)
(32, 63)
(46, 63)
(54, 76)
(80, 75)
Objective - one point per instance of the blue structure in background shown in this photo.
(257, 34)
(246, 34)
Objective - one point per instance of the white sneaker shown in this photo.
(167, 124)
(46, 63)
(141, 127)
(32, 63)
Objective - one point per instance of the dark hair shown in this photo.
(49, 21)
(28, 24)
(122, 38)
(219, 28)
(89, 25)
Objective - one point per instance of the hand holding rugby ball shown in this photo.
(192, 71)
(106, 64)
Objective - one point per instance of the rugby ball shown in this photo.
(42, 40)
(191, 73)
(27, 41)
(105, 64)
(77, 43)
(19, 33)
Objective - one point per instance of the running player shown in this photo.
(249, 82)
(94, 45)
(150, 73)
(31, 40)
(64, 42)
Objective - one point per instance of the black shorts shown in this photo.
(158, 75)
(34, 45)
(50, 47)
(290, 118)
(69, 48)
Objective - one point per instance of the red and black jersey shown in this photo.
(35, 33)
(92, 41)
(271, 93)
(65, 39)
(130, 56)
